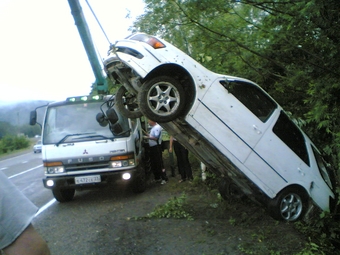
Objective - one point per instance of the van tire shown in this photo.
(289, 205)
(133, 111)
(162, 99)
(63, 195)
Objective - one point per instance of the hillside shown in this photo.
(17, 113)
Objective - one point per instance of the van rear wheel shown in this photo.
(289, 205)
(63, 195)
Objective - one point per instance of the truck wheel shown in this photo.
(139, 181)
(124, 98)
(162, 99)
(63, 195)
(289, 205)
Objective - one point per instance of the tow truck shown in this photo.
(86, 142)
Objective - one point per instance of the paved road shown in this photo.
(26, 172)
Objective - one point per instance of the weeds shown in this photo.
(174, 208)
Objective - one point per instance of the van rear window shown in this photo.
(291, 135)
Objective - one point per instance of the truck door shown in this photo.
(236, 113)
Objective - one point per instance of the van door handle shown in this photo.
(300, 171)
(258, 131)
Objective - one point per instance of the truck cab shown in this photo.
(79, 152)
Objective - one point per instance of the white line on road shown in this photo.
(44, 207)
(3, 168)
(24, 172)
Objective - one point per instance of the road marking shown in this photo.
(29, 170)
(3, 168)
(44, 207)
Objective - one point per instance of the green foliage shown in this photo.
(29, 130)
(311, 249)
(6, 129)
(10, 143)
(323, 232)
(174, 208)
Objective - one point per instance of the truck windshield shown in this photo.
(76, 123)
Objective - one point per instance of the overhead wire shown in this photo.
(95, 16)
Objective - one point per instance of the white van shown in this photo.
(229, 123)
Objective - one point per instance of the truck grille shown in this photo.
(86, 166)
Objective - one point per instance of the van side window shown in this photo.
(251, 97)
(291, 135)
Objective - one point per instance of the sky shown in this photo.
(41, 53)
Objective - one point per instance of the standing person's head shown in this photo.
(152, 123)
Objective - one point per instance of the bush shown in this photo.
(10, 143)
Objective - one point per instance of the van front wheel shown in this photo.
(124, 98)
(162, 99)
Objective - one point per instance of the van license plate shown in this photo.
(87, 179)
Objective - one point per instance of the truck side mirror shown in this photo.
(100, 117)
(33, 118)
(112, 116)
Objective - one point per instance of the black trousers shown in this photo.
(183, 163)
(157, 165)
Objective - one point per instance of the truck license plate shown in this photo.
(87, 179)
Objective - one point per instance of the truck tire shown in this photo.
(139, 181)
(63, 195)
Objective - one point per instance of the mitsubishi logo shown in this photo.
(85, 152)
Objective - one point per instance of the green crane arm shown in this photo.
(85, 35)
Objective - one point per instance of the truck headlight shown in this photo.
(122, 161)
(54, 167)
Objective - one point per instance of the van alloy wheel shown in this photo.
(289, 205)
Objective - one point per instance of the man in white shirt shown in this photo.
(155, 140)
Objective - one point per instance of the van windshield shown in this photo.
(76, 123)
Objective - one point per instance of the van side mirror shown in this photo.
(33, 118)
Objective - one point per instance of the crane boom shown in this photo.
(85, 35)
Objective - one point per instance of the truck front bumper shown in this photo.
(88, 180)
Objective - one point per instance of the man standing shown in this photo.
(155, 139)
(182, 155)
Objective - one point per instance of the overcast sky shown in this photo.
(41, 53)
